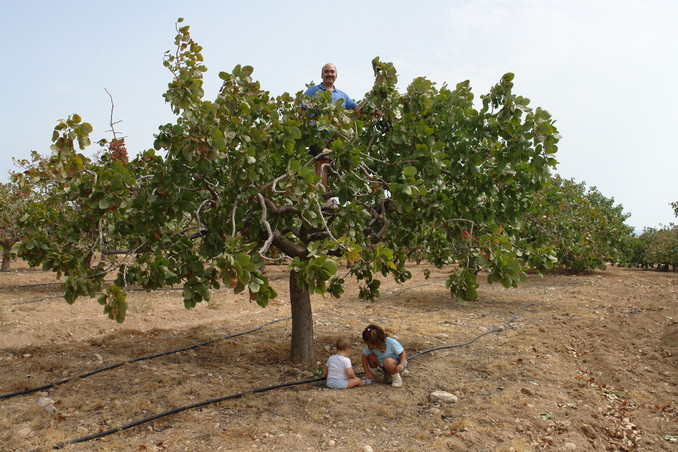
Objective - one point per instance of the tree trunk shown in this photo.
(6, 257)
(303, 341)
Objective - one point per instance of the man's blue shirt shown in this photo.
(337, 94)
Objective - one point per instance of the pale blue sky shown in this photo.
(605, 69)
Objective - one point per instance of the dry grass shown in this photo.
(553, 359)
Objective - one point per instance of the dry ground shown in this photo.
(591, 366)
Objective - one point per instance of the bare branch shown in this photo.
(235, 207)
(378, 237)
(111, 122)
(266, 224)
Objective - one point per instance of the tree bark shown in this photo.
(6, 257)
(303, 340)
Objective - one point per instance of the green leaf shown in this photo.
(295, 133)
(410, 171)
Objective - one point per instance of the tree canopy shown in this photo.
(230, 186)
(585, 229)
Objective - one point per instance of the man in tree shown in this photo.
(329, 76)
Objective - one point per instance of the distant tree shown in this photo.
(585, 228)
(12, 202)
(657, 248)
(234, 187)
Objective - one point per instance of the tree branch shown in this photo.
(266, 224)
(286, 246)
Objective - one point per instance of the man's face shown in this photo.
(329, 75)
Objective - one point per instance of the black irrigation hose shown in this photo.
(37, 300)
(258, 390)
(134, 360)
(54, 297)
(25, 286)
(470, 341)
(180, 409)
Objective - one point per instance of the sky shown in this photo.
(606, 70)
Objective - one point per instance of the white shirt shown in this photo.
(336, 367)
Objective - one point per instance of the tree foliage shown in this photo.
(657, 248)
(12, 201)
(230, 186)
(585, 228)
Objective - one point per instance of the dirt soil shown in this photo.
(590, 364)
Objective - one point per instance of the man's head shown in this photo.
(329, 75)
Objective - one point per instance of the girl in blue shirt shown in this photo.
(383, 352)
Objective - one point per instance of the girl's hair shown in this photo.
(375, 335)
(343, 343)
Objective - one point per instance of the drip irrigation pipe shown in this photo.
(54, 297)
(264, 389)
(470, 341)
(37, 300)
(183, 408)
(134, 360)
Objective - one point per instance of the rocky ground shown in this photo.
(590, 363)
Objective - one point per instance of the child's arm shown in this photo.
(366, 367)
(350, 373)
(403, 361)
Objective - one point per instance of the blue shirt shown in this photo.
(393, 350)
(337, 94)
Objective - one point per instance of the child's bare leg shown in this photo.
(354, 383)
(390, 365)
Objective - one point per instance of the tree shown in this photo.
(424, 171)
(12, 202)
(585, 228)
(657, 248)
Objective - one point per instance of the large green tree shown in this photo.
(585, 228)
(230, 186)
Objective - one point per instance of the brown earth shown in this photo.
(590, 365)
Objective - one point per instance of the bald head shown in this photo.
(329, 75)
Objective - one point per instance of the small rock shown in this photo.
(331, 443)
(368, 448)
(588, 431)
(442, 397)
(569, 446)
(24, 432)
(45, 401)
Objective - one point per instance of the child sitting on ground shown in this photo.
(339, 372)
(384, 352)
